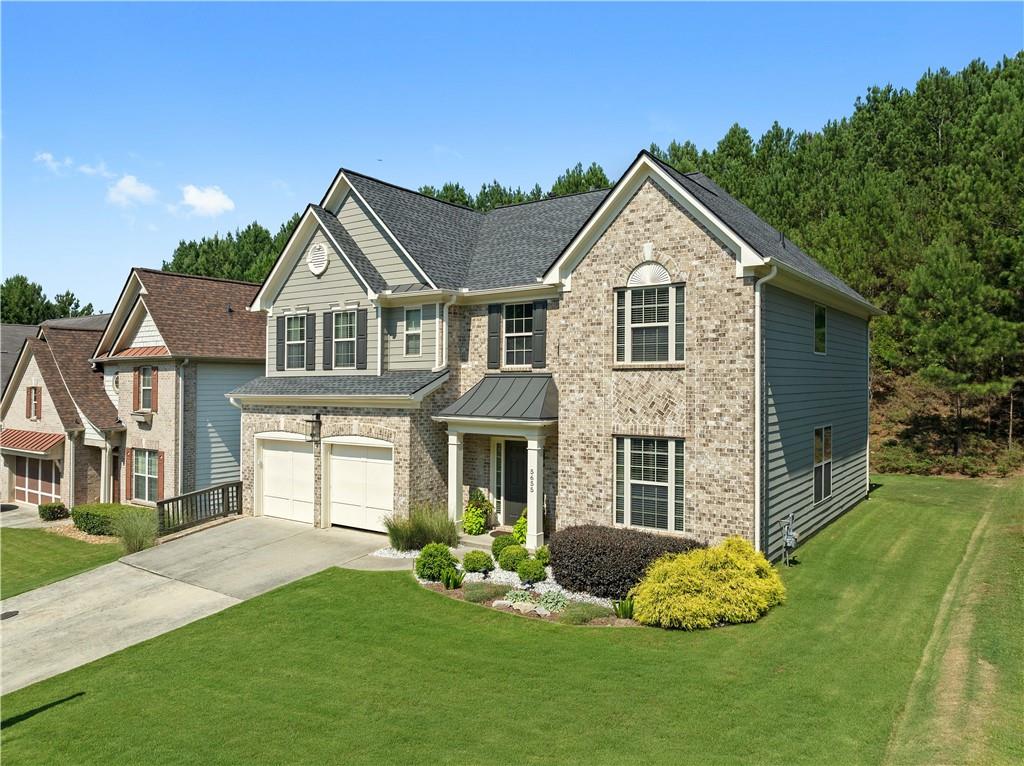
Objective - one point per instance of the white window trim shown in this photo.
(33, 399)
(628, 360)
(143, 388)
(814, 330)
(337, 341)
(406, 334)
(506, 335)
(300, 343)
(147, 476)
(815, 464)
(627, 481)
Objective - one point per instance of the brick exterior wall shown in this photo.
(160, 434)
(88, 461)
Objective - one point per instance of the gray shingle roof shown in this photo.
(352, 250)
(389, 384)
(94, 322)
(762, 236)
(12, 337)
(510, 396)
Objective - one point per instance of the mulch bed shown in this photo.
(70, 530)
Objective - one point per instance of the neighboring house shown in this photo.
(12, 338)
(174, 346)
(653, 355)
(57, 420)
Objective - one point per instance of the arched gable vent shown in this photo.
(649, 273)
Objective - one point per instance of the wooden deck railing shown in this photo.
(193, 508)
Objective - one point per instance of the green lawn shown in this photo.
(31, 557)
(354, 667)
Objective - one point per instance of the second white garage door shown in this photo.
(287, 474)
(362, 485)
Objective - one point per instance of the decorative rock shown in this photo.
(541, 611)
(501, 604)
(524, 606)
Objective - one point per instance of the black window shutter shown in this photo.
(494, 336)
(280, 343)
(361, 339)
(328, 340)
(540, 332)
(310, 341)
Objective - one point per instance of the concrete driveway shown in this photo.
(22, 516)
(61, 626)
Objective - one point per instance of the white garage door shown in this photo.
(362, 485)
(287, 480)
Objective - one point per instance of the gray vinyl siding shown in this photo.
(337, 288)
(375, 244)
(804, 391)
(394, 338)
(218, 422)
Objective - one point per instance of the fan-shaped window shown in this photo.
(648, 273)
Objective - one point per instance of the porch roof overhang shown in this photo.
(32, 443)
(505, 404)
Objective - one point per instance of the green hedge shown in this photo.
(98, 518)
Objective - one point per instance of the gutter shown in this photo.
(759, 468)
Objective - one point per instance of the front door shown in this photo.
(515, 481)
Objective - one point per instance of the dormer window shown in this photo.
(650, 317)
(413, 331)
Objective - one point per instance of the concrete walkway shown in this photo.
(22, 516)
(69, 623)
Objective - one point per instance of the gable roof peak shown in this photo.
(349, 172)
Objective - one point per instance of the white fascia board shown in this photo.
(508, 294)
(312, 400)
(119, 314)
(642, 169)
(348, 261)
(495, 426)
(807, 287)
(391, 298)
(283, 265)
(133, 321)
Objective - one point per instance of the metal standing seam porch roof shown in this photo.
(508, 396)
(36, 442)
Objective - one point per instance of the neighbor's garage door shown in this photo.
(287, 480)
(36, 480)
(362, 485)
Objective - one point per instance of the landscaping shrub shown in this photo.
(530, 571)
(478, 510)
(53, 511)
(425, 524)
(433, 560)
(511, 556)
(501, 543)
(553, 601)
(98, 518)
(477, 561)
(623, 608)
(580, 613)
(543, 555)
(608, 561)
(730, 582)
(519, 529)
(452, 578)
(136, 528)
(517, 595)
(478, 592)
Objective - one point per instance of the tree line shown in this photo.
(24, 302)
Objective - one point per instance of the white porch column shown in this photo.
(534, 492)
(455, 475)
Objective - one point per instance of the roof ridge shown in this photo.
(411, 191)
(547, 199)
(195, 276)
(71, 329)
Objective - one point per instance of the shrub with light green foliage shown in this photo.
(425, 524)
(477, 561)
(136, 528)
(98, 518)
(433, 560)
(543, 555)
(510, 557)
(515, 596)
(501, 543)
(479, 592)
(553, 601)
(519, 529)
(580, 613)
(530, 571)
(727, 583)
(478, 510)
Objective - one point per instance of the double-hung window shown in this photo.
(650, 324)
(822, 463)
(295, 342)
(146, 388)
(413, 331)
(144, 475)
(649, 483)
(345, 339)
(820, 328)
(518, 334)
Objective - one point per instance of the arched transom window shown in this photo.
(650, 317)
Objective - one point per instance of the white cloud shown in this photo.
(51, 163)
(129, 191)
(206, 201)
(99, 169)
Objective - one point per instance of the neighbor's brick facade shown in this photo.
(160, 434)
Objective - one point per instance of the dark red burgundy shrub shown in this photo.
(608, 561)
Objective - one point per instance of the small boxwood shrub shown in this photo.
(433, 560)
(543, 555)
(501, 543)
(478, 510)
(727, 583)
(608, 561)
(53, 511)
(511, 556)
(519, 529)
(98, 518)
(530, 571)
(477, 561)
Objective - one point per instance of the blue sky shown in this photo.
(129, 127)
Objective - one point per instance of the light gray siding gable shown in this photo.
(804, 391)
(375, 244)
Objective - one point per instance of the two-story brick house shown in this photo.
(653, 355)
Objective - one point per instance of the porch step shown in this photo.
(480, 542)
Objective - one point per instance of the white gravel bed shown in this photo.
(391, 553)
(502, 577)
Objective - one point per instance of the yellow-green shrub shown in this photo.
(729, 582)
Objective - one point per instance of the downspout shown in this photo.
(180, 457)
(758, 382)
